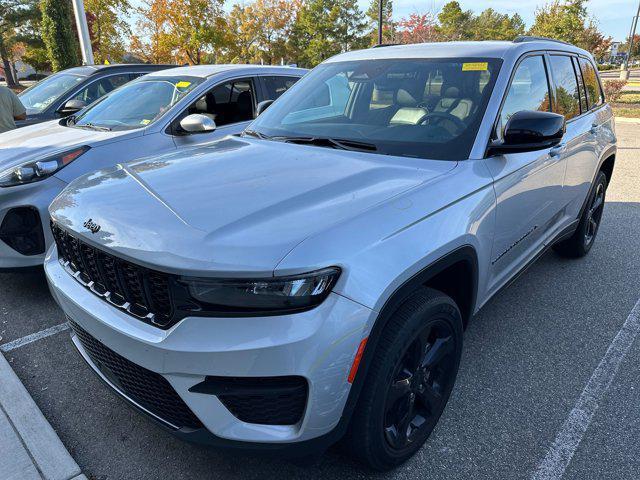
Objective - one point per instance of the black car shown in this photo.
(69, 91)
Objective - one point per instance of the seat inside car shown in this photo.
(454, 103)
(408, 112)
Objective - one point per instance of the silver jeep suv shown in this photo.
(311, 279)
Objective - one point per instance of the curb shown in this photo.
(22, 421)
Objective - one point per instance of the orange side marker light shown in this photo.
(356, 360)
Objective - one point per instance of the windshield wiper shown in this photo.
(253, 133)
(91, 126)
(342, 144)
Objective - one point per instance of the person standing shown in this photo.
(11, 109)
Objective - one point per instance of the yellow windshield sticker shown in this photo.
(183, 84)
(475, 67)
(145, 121)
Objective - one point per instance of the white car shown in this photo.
(154, 114)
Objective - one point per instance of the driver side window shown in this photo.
(231, 102)
(529, 90)
(99, 88)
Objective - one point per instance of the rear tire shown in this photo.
(409, 380)
(579, 244)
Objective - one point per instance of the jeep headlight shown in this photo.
(36, 170)
(268, 296)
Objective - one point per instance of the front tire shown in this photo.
(579, 244)
(409, 380)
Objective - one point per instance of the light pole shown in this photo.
(380, 14)
(624, 73)
(83, 32)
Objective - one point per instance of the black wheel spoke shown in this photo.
(437, 352)
(430, 397)
(597, 203)
(399, 388)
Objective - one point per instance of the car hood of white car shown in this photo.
(235, 207)
(43, 139)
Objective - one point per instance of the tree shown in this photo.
(455, 23)
(417, 28)
(152, 41)
(14, 15)
(388, 26)
(107, 28)
(260, 31)
(569, 21)
(328, 27)
(491, 25)
(195, 28)
(58, 34)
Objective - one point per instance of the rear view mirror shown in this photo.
(72, 106)
(197, 123)
(262, 106)
(528, 131)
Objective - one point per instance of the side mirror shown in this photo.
(528, 131)
(72, 106)
(197, 123)
(262, 106)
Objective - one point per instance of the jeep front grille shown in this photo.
(139, 291)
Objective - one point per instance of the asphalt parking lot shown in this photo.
(530, 356)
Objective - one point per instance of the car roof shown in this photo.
(205, 71)
(89, 70)
(484, 49)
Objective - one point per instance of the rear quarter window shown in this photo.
(591, 83)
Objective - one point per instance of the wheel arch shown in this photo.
(444, 275)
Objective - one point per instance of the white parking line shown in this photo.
(34, 337)
(570, 435)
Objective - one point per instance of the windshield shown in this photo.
(38, 97)
(136, 104)
(427, 108)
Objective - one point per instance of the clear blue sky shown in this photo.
(613, 16)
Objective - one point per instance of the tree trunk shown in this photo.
(8, 73)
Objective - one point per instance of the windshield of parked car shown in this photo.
(38, 97)
(136, 104)
(426, 108)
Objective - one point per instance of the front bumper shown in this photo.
(318, 345)
(35, 195)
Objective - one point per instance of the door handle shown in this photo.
(557, 150)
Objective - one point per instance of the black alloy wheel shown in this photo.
(418, 389)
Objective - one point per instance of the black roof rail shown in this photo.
(380, 45)
(530, 38)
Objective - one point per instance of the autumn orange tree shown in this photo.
(180, 31)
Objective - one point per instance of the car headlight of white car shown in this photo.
(269, 296)
(36, 170)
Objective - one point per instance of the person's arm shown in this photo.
(19, 112)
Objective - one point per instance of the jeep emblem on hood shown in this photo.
(91, 225)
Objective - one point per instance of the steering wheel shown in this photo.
(443, 117)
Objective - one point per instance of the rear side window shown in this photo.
(592, 85)
(567, 92)
(529, 90)
(276, 86)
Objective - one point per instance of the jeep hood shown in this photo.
(235, 207)
(40, 140)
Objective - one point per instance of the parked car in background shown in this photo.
(66, 92)
(155, 114)
(313, 277)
